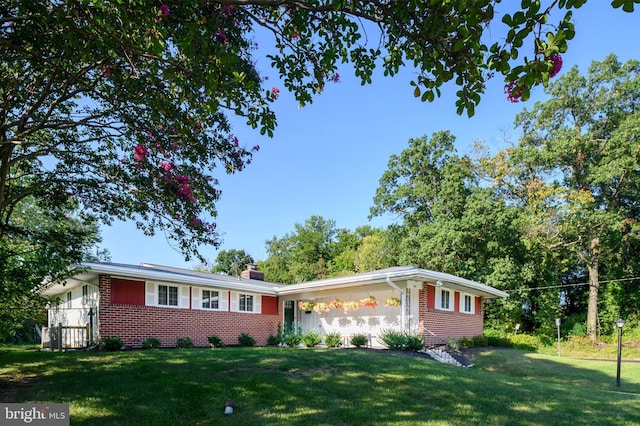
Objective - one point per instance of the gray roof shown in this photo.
(88, 271)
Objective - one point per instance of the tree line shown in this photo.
(551, 219)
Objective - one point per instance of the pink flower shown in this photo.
(106, 70)
(141, 152)
(222, 37)
(513, 95)
(228, 10)
(275, 93)
(557, 64)
(163, 10)
(335, 78)
(256, 148)
(166, 165)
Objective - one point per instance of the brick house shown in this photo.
(135, 302)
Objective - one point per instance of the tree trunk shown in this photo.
(594, 287)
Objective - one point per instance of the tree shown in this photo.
(576, 170)
(453, 223)
(55, 240)
(231, 262)
(124, 107)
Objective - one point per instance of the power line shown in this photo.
(570, 285)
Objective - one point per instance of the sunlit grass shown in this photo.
(273, 386)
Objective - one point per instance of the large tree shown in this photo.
(576, 171)
(230, 262)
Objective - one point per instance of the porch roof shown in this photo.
(398, 275)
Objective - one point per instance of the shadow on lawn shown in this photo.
(318, 387)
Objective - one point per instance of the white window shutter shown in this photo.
(196, 298)
(223, 301)
(184, 297)
(151, 294)
(234, 302)
(257, 303)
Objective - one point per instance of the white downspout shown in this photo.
(403, 304)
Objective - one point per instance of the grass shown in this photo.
(277, 386)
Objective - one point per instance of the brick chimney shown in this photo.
(252, 273)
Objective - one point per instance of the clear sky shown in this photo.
(327, 158)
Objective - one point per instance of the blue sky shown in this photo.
(327, 158)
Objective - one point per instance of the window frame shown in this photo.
(450, 299)
(210, 299)
(168, 296)
(472, 304)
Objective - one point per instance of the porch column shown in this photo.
(403, 305)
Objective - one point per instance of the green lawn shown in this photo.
(273, 386)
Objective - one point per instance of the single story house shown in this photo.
(135, 302)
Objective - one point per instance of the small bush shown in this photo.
(292, 340)
(359, 340)
(245, 339)
(111, 344)
(151, 343)
(525, 341)
(215, 341)
(466, 343)
(184, 342)
(394, 340)
(333, 340)
(414, 343)
(480, 341)
(273, 340)
(311, 339)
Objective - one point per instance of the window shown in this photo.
(85, 294)
(443, 300)
(245, 303)
(167, 295)
(466, 303)
(68, 300)
(210, 299)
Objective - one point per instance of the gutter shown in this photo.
(403, 303)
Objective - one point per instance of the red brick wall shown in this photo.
(136, 323)
(445, 324)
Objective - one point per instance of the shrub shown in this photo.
(311, 339)
(111, 344)
(273, 340)
(359, 340)
(245, 339)
(466, 342)
(184, 342)
(333, 340)
(292, 340)
(399, 341)
(525, 341)
(480, 341)
(394, 340)
(415, 342)
(215, 341)
(151, 343)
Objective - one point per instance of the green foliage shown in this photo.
(215, 341)
(359, 340)
(480, 341)
(231, 262)
(151, 343)
(394, 340)
(466, 342)
(333, 340)
(311, 339)
(184, 342)
(273, 340)
(292, 340)
(111, 344)
(245, 339)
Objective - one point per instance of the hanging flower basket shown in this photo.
(307, 305)
(350, 306)
(368, 302)
(392, 301)
(321, 307)
(335, 304)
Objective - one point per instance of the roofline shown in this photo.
(147, 271)
(403, 273)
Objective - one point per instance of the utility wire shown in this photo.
(570, 285)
